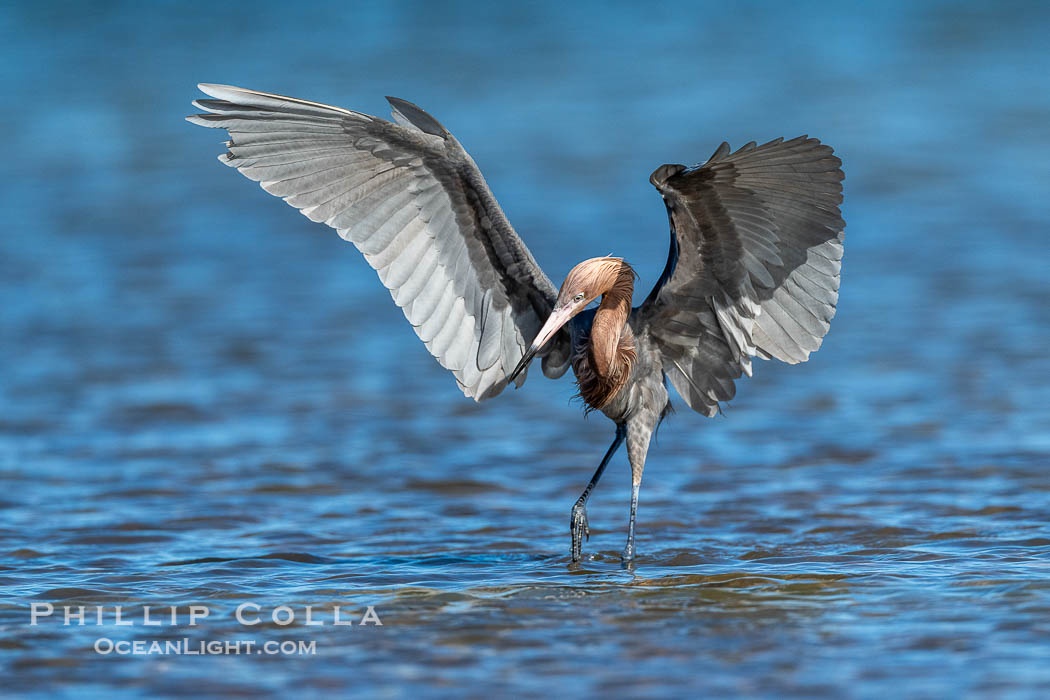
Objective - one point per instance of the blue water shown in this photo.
(207, 400)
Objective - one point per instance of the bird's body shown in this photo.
(752, 271)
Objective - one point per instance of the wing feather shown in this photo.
(491, 334)
(756, 245)
(445, 337)
(417, 281)
(434, 322)
(414, 203)
(426, 303)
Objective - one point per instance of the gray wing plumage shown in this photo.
(756, 248)
(411, 199)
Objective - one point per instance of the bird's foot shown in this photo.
(579, 528)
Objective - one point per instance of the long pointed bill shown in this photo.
(557, 319)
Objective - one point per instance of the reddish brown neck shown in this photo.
(610, 323)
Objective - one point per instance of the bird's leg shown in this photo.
(639, 430)
(578, 518)
(628, 551)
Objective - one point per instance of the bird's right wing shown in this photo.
(753, 270)
(413, 201)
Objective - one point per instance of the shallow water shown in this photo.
(207, 400)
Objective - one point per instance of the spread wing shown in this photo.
(415, 204)
(756, 248)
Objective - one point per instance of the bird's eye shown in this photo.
(578, 298)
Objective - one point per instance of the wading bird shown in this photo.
(753, 268)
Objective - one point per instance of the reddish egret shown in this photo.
(753, 268)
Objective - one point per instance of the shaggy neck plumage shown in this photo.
(610, 351)
(610, 322)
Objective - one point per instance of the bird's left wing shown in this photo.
(753, 270)
(411, 199)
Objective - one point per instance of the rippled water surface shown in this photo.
(208, 401)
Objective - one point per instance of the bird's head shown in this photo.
(584, 283)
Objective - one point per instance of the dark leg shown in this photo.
(578, 519)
